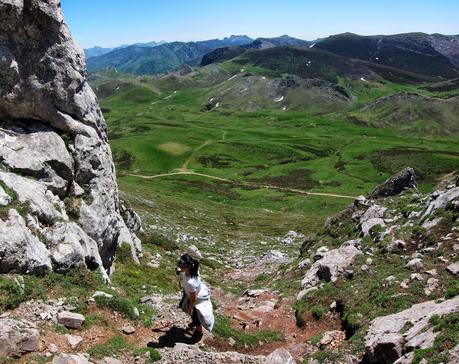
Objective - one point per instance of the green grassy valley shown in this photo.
(257, 163)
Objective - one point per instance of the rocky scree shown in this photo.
(59, 199)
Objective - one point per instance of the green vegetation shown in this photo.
(112, 346)
(447, 329)
(223, 329)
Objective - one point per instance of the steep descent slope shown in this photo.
(59, 206)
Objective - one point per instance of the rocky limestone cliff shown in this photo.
(58, 193)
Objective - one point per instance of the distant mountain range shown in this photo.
(411, 57)
(100, 51)
(140, 59)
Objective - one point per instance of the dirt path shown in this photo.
(285, 189)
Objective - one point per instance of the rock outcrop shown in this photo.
(55, 161)
(391, 337)
(18, 337)
(329, 268)
(396, 184)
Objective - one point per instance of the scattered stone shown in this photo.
(70, 359)
(369, 261)
(102, 294)
(433, 284)
(109, 360)
(416, 277)
(405, 284)
(53, 348)
(389, 281)
(415, 264)
(231, 342)
(70, 320)
(128, 329)
(254, 292)
(280, 356)
(456, 247)
(332, 339)
(432, 272)
(306, 263)
(453, 268)
(365, 268)
(136, 312)
(18, 337)
(74, 340)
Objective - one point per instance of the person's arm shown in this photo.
(192, 297)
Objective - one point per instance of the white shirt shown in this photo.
(195, 285)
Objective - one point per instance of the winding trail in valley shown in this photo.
(285, 189)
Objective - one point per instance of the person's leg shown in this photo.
(196, 322)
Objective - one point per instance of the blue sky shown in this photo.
(114, 22)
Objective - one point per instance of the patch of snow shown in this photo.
(242, 70)
(312, 45)
(284, 108)
(279, 99)
(363, 79)
(212, 99)
(218, 104)
(229, 79)
(117, 88)
(377, 58)
(263, 77)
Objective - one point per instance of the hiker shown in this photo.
(196, 295)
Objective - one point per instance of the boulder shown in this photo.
(388, 337)
(70, 320)
(396, 184)
(70, 247)
(333, 264)
(20, 250)
(37, 150)
(280, 356)
(70, 359)
(415, 265)
(41, 202)
(18, 337)
(109, 360)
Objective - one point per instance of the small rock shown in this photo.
(70, 319)
(365, 268)
(74, 340)
(348, 273)
(254, 292)
(70, 359)
(456, 247)
(415, 264)
(306, 263)
(280, 356)
(231, 342)
(432, 285)
(453, 268)
(136, 312)
(416, 277)
(128, 329)
(102, 294)
(369, 261)
(405, 284)
(52, 348)
(110, 360)
(389, 281)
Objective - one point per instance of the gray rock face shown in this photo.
(396, 184)
(329, 268)
(440, 200)
(20, 250)
(5, 199)
(18, 337)
(387, 341)
(53, 141)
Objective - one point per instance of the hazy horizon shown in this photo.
(111, 23)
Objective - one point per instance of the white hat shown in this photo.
(194, 252)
